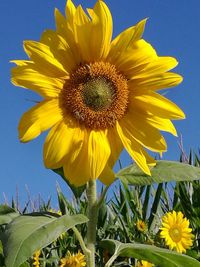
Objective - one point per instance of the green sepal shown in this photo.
(77, 191)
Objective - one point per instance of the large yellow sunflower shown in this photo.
(99, 95)
(176, 232)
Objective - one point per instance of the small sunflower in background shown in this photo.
(55, 211)
(176, 232)
(143, 263)
(99, 95)
(36, 261)
(73, 260)
(141, 226)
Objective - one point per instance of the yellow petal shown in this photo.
(27, 76)
(82, 33)
(98, 152)
(62, 27)
(102, 31)
(76, 167)
(138, 128)
(150, 161)
(39, 119)
(90, 160)
(62, 141)
(21, 62)
(100, 28)
(156, 82)
(115, 145)
(70, 11)
(66, 31)
(139, 29)
(60, 49)
(80, 17)
(161, 124)
(155, 121)
(151, 102)
(126, 39)
(157, 66)
(44, 60)
(135, 58)
(107, 176)
(134, 149)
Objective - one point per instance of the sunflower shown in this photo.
(141, 226)
(144, 264)
(176, 232)
(98, 95)
(73, 260)
(36, 261)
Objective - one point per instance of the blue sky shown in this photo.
(172, 28)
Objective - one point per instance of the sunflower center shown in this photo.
(141, 226)
(175, 234)
(96, 95)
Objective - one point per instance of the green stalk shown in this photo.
(81, 241)
(92, 213)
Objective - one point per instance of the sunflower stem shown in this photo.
(92, 213)
(81, 241)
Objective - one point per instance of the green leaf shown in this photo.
(77, 191)
(28, 233)
(25, 264)
(1, 248)
(7, 214)
(155, 205)
(164, 171)
(4, 209)
(1, 255)
(158, 256)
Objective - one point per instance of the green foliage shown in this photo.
(7, 214)
(158, 256)
(138, 197)
(164, 171)
(28, 233)
(77, 191)
(1, 255)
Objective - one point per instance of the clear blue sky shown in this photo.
(172, 28)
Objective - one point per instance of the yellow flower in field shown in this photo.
(55, 211)
(141, 226)
(36, 262)
(73, 260)
(99, 95)
(144, 264)
(176, 232)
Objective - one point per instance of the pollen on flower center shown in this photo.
(96, 95)
(175, 234)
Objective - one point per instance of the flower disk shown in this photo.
(176, 232)
(98, 95)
